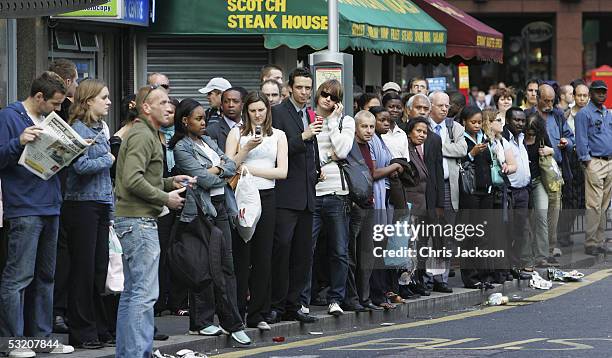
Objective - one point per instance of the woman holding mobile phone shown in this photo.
(263, 151)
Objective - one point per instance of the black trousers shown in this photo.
(475, 209)
(292, 258)
(361, 257)
(86, 225)
(62, 273)
(171, 296)
(208, 299)
(253, 261)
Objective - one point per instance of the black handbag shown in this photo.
(467, 178)
(355, 174)
(195, 257)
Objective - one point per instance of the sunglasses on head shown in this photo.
(331, 96)
(153, 88)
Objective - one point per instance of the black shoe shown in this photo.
(301, 317)
(160, 337)
(442, 287)
(451, 273)
(110, 343)
(357, 307)
(90, 345)
(519, 275)
(373, 307)
(420, 289)
(59, 325)
(272, 317)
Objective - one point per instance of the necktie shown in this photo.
(419, 149)
(438, 129)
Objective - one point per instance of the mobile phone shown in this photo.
(257, 130)
(318, 119)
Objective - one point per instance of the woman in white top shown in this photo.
(332, 207)
(263, 151)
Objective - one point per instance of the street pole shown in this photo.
(332, 26)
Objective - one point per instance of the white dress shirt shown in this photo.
(397, 142)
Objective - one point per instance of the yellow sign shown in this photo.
(464, 77)
(490, 42)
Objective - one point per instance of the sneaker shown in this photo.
(22, 353)
(264, 326)
(62, 349)
(241, 337)
(211, 330)
(305, 310)
(557, 252)
(335, 310)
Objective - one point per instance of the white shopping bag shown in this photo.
(249, 205)
(114, 275)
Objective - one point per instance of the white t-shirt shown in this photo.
(36, 119)
(262, 157)
(216, 160)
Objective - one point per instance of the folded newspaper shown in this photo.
(57, 146)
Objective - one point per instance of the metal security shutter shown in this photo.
(190, 62)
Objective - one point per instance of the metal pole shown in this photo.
(332, 25)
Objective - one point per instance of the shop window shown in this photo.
(88, 42)
(66, 40)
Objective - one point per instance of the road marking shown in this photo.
(546, 295)
(403, 343)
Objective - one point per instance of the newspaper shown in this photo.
(57, 145)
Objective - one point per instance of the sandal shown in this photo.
(388, 306)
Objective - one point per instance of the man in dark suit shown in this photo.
(295, 201)
(231, 103)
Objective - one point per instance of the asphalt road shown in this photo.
(572, 320)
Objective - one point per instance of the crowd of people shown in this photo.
(437, 156)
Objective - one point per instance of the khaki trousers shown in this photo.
(597, 191)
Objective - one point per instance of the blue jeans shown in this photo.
(135, 322)
(332, 215)
(26, 288)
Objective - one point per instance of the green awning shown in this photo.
(372, 25)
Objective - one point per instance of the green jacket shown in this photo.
(139, 188)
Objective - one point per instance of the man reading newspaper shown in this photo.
(32, 208)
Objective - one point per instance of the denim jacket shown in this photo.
(191, 160)
(88, 177)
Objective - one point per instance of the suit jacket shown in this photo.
(297, 191)
(432, 151)
(452, 151)
(218, 131)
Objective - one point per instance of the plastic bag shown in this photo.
(114, 274)
(249, 205)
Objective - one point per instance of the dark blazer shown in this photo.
(297, 192)
(218, 131)
(434, 194)
(433, 160)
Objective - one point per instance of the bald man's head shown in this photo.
(546, 99)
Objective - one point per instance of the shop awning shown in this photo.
(376, 26)
(31, 8)
(467, 37)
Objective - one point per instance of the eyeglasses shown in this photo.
(331, 96)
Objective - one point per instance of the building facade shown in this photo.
(548, 39)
